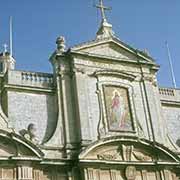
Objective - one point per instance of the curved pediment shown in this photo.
(128, 150)
(12, 146)
(120, 73)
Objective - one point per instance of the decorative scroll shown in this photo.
(124, 153)
(107, 156)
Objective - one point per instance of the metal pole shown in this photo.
(171, 66)
(11, 37)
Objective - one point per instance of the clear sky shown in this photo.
(144, 24)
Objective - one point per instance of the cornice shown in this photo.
(28, 88)
(122, 74)
(130, 61)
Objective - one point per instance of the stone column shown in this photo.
(68, 106)
(66, 131)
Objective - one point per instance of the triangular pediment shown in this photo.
(113, 48)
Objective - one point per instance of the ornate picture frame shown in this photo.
(118, 108)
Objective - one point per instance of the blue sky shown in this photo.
(141, 23)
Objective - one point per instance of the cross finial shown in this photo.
(102, 9)
(5, 47)
(105, 29)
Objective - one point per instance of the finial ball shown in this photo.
(61, 44)
(60, 40)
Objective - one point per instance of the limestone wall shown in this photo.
(29, 98)
(172, 117)
(25, 172)
(91, 99)
(170, 99)
(128, 173)
(25, 108)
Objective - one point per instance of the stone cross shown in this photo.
(102, 9)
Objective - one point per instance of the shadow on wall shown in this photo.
(47, 122)
(52, 117)
(178, 142)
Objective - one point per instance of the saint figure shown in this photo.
(117, 111)
(30, 133)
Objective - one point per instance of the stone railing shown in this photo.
(31, 79)
(37, 77)
(166, 91)
(169, 94)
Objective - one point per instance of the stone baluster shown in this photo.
(25, 173)
(36, 78)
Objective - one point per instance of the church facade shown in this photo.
(100, 115)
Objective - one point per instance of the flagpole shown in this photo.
(11, 36)
(171, 66)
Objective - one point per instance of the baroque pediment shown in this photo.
(126, 151)
(113, 48)
(120, 153)
(13, 146)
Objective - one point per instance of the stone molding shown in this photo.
(119, 74)
(141, 151)
(103, 129)
(21, 144)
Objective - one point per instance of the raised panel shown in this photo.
(138, 176)
(38, 174)
(7, 173)
(47, 176)
(105, 175)
(151, 176)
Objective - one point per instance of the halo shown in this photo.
(114, 93)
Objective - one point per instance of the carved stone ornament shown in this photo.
(141, 157)
(127, 152)
(79, 70)
(30, 133)
(119, 73)
(107, 156)
(61, 44)
(151, 78)
(130, 173)
(124, 153)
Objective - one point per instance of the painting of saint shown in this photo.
(117, 108)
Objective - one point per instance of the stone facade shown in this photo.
(100, 115)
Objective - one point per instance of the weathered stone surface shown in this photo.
(40, 109)
(99, 115)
